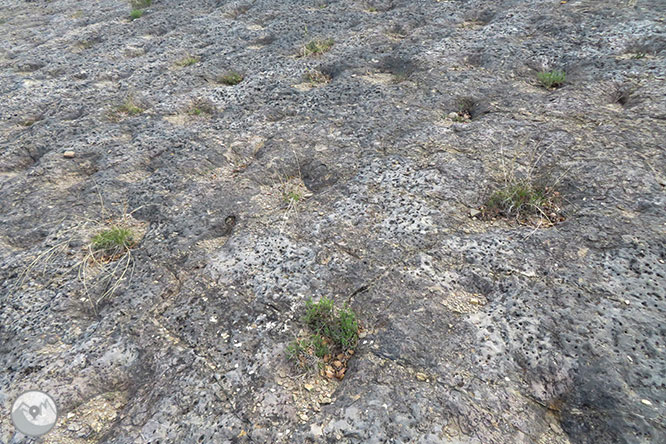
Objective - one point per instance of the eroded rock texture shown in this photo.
(473, 331)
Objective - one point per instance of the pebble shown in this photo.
(69, 154)
(474, 212)
(646, 402)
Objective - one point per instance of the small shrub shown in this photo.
(113, 240)
(230, 78)
(339, 326)
(135, 14)
(332, 341)
(187, 61)
(317, 47)
(552, 79)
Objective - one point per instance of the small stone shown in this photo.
(69, 154)
(308, 387)
(474, 212)
(337, 364)
(421, 376)
(340, 373)
(303, 417)
(453, 115)
(646, 402)
(325, 400)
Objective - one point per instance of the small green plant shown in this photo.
(320, 346)
(129, 107)
(113, 240)
(201, 107)
(297, 350)
(638, 55)
(339, 326)
(135, 14)
(230, 78)
(292, 196)
(334, 335)
(317, 47)
(187, 61)
(552, 79)
(524, 201)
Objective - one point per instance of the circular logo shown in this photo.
(34, 413)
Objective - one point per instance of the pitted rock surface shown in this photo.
(473, 331)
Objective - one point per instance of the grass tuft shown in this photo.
(187, 61)
(526, 202)
(230, 78)
(317, 47)
(135, 14)
(552, 79)
(113, 240)
(129, 107)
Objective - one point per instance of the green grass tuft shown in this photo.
(552, 79)
(135, 14)
(113, 240)
(129, 107)
(187, 61)
(230, 78)
(317, 47)
(525, 202)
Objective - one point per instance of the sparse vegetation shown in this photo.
(525, 202)
(292, 196)
(552, 79)
(129, 107)
(201, 107)
(187, 61)
(332, 341)
(113, 240)
(230, 78)
(135, 14)
(316, 77)
(139, 4)
(317, 47)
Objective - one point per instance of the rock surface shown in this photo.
(474, 331)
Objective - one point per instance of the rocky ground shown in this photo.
(342, 174)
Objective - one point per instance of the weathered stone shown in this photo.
(524, 334)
